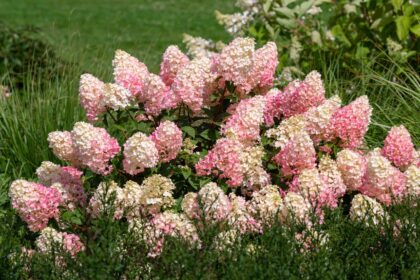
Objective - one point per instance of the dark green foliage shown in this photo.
(23, 54)
(353, 251)
(308, 32)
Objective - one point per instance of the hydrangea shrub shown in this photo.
(209, 142)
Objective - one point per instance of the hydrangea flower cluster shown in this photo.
(67, 179)
(168, 140)
(265, 204)
(162, 225)
(35, 203)
(210, 203)
(398, 147)
(366, 209)
(173, 61)
(246, 68)
(244, 123)
(382, 180)
(85, 146)
(223, 160)
(299, 96)
(51, 240)
(108, 196)
(142, 151)
(129, 72)
(350, 123)
(297, 155)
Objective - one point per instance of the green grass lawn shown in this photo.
(90, 30)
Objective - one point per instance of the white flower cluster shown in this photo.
(116, 97)
(287, 129)
(140, 152)
(366, 209)
(265, 204)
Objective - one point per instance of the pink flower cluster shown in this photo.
(35, 203)
(85, 146)
(223, 160)
(382, 180)
(298, 154)
(168, 140)
(180, 80)
(195, 82)
(299, 96)
(350, 123)
(173, 61)
(244, 123)
(210, 204)
(51, 240)
(246, 68)
(142, 151)
(162, 225)
(398, 147)
(68, 180)
(129, 72)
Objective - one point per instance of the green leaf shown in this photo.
(267, 5)
(186, 172)
(72, 217)
(416, 30)
(209, 134)
(408, 9)
(288, 23)
(316, 38)
(397, 4)
(362, 52)
(337, 31)
(285, 11)
(303, 8)
(189, 130)
(403, 27)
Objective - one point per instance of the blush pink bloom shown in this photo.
(210, 204)
(236, 64)
(318, 119)
(215, 204)
(299, 96)
(168, 140)
(352, 166)
(298, 154)
(34, 203)
(350, 123)
(91, 92)
(51, 240)
(94, 147)
(265, 64)
(67, 179)
(382, 180)
(140, 152)
(272, 107)
(398, 147)
(129, 72)
(223, 160)
(239, 217)
(163, 225)
(61, 144)
(157, 96)
(316, 189)
(172, 62)
(194, 83)
(244, 123)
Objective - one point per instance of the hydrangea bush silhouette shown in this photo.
(210, 141)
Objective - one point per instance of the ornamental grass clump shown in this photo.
(210, 144)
